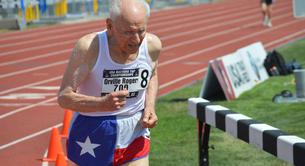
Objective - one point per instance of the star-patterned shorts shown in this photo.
(107, 140)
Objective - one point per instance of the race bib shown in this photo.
(131, 79)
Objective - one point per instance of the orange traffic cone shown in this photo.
(61, 160)
(55, 146)
(66, 123)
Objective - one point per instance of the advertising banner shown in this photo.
(231, 75)
(253, 57)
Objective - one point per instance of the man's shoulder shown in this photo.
(87, 48)
(88, 41)
(154, 41)
(154, 45)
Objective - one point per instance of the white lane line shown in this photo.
(170, 61)
(47, 131)
(285, 38)
(29, 137)
(187, 42)
(33, 69)
(182, 78)
(162, 38)
(43, 102)
(225, 44)
(177, 15)
(54, 98)
(187, 55)
(36, 57)
(49, 32)
(31, 85)
(45, 156)
(58, 125)
(26, 96)
(69, 49)
(161, 87)
(72, 41)
(24, 104)
(222, 20)
(55, 36)
(217, 25)
(37, 48)
(171, 46)
(49, 37)
(45, 87)
(194, 18)
(96, 24)
(27, 107)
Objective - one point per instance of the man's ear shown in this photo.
(109, 24)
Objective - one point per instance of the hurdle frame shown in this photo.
(282, 145)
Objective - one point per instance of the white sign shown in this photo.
(253, 57)
(236, 74)
(132, 80)
(231, 75)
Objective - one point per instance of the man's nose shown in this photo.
(136, 38)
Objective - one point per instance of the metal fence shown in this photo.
(48, 11)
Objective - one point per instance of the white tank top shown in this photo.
(108, 76)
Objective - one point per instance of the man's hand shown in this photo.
(116, 100)
(150, 118)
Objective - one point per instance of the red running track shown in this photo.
(32, 63)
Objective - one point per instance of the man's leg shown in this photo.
(264, 11)
(141, 162)
(264, 8)
(269, 14)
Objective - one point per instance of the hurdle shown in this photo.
(284, 146)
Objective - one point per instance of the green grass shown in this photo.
(174, 140)
(4, 30)
(295, 50)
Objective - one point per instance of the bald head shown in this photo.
(126, 27)
(129, 9)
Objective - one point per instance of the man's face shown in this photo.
(129, 35)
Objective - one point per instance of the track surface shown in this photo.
(32, 63)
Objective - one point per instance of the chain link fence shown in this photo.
(17, 14)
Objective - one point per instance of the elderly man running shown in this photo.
(111, 83)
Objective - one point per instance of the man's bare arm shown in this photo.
(79, 67)
(150, 117)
